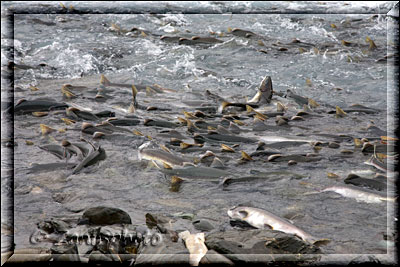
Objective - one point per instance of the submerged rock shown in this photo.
(203, 225)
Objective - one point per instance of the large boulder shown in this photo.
(164, 252)
(105, 216)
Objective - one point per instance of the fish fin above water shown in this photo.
(256, 98)
(318, 241)
(167, 166)
(223, 105)
(104, 81)
(266, 90)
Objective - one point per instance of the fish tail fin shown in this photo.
(256, 98)
(104, 81)
(223, 105)
(318, 241)
(266, 90)
(249, 109)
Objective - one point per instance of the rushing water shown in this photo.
(77, 48)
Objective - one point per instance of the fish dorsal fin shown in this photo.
(319, 242)
(166, 166)
(245, 156)
(104, 81)
(226, 148)
(249, 109)
(223, 105)
(340, 112)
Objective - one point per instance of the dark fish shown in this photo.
(27, 106)
(171, 134)
(57, 150)
(173, 39)
(262, 176)
(297, 98)
(201, 124)
(297, 158)
(199, 40)
(107, 126)
(365, 182)
(89, 128)
(213, 96)
(162, 157)
(378, 148)
(376, 131)
(350, 110)
(42, 22)
(37, 168)
(243, 33)
(95, 154)
(261, 126)
(160, 123)
(283, 144)
(243, 106)
(278, 173)
(105, 113)
(262, 153)
(77, 114)
(197, 172)
(123, 122)
(230, 138)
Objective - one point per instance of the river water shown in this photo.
(78, 48)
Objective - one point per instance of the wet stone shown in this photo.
(164, 251)
(236, 244)
(105, 216)
(333, 145)
(51, 226)
(203, 225)
(213, 257)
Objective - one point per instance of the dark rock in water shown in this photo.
(105, 216)
(213, 257)
(51, 226)
(203, 225)
(333, 145)
(163, 251)
(258, 244)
